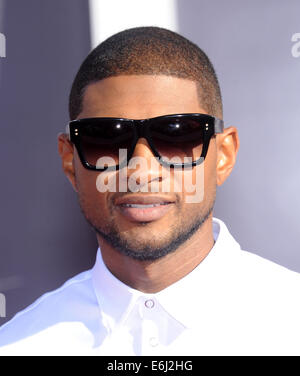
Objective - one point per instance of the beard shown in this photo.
(158, 245)
(149, 252)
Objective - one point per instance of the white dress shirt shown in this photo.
(232, 303)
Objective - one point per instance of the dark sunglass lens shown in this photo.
(179, 139)
(101, 142)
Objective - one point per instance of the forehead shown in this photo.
(140, 97)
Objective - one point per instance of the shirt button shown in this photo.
(153, 341)
(149, 303)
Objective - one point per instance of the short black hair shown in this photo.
(148, 51)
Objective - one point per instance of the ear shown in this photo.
(66, 152)
(227, 147)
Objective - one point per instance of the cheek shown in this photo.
(91, 200)
(210, 165)
(200, 183)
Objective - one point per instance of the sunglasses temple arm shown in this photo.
(219, 125)
(67, 131)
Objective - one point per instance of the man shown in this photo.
(169, 279)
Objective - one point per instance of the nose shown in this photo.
(142, 149)
(143, 167)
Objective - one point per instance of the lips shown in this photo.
(144, 208)
(140, 206)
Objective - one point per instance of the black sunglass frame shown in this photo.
(211, 126)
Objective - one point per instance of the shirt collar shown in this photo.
(116, 300)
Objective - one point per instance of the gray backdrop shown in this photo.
(250, 45)
(44, 238)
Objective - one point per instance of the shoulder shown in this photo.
(251, 265)
(267, 270)
(268, 291)
(51, 310)
(259, 299)
(260, 286)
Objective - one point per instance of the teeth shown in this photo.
(140, 206)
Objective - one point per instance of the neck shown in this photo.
(154, 276)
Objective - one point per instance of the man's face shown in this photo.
(144, 232)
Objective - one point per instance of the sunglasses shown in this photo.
(180, 140)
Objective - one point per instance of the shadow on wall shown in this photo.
(44, 237)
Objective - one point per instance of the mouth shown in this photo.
(139, 208)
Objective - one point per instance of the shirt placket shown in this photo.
(151, 321)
